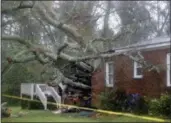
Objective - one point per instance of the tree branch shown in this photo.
(61, 48)
(96, 56)
(15, 60)
(109, 39)
(145, 64)
(76, 84)
(49, 33)
(17, 39)
(70, 31)
(30, 46)
(73, 59)
(21, 6)
(23, 60)
(61, 78)
(12, 21)
(164, 23)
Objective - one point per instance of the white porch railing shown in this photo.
(41, 96)
(27, 89)
(32, 89)
(55, 95)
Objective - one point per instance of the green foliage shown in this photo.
(28, 104)
(13, 78)
(105, 102)
(114, 100)
(154, 107)
(119, 101)
(25, 104)
(141, 106)
(165, 104)
(161, 106)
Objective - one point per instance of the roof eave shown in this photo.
(145, 48)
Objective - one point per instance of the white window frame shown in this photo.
(136, 76)
(107, 75)
(168, 62)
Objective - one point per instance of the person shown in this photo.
(87, 100)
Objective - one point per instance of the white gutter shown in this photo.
(159, 45)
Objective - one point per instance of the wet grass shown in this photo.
(48, 116)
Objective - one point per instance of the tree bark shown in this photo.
(106, 20)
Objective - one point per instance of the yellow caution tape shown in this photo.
(96, 110)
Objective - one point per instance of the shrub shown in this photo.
(106, 100)
(136, 104)
(119, 101)
(154, 107)
(26, 104)
(113, 100)
(161, 106)
(12, 80)
(165, 104)
(141, 106)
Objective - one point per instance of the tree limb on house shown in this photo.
(45, 56)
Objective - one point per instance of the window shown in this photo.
(138, 70)
(109, 74)
(168, 59)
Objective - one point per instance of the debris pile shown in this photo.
(5, 111)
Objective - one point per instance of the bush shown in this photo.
(119, 101)
(136, 104)
(26, 104)
(114, 100)
(106, 100)
(141, 106)
(161, 106)
(154, 107)
(12, 80)
(165, 104)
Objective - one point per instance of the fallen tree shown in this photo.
(47, 56)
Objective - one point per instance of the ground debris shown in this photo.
(57, 112)
(19, 114)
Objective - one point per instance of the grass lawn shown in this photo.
(47, 116)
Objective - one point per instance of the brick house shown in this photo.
(122, 72)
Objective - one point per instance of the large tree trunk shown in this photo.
(106, 20)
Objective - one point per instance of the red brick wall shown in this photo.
(152, 84)
(97, 85)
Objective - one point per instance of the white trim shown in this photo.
(107, 75)
(147, 48)
(165, 43)
(135, 75)
(168, 60)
